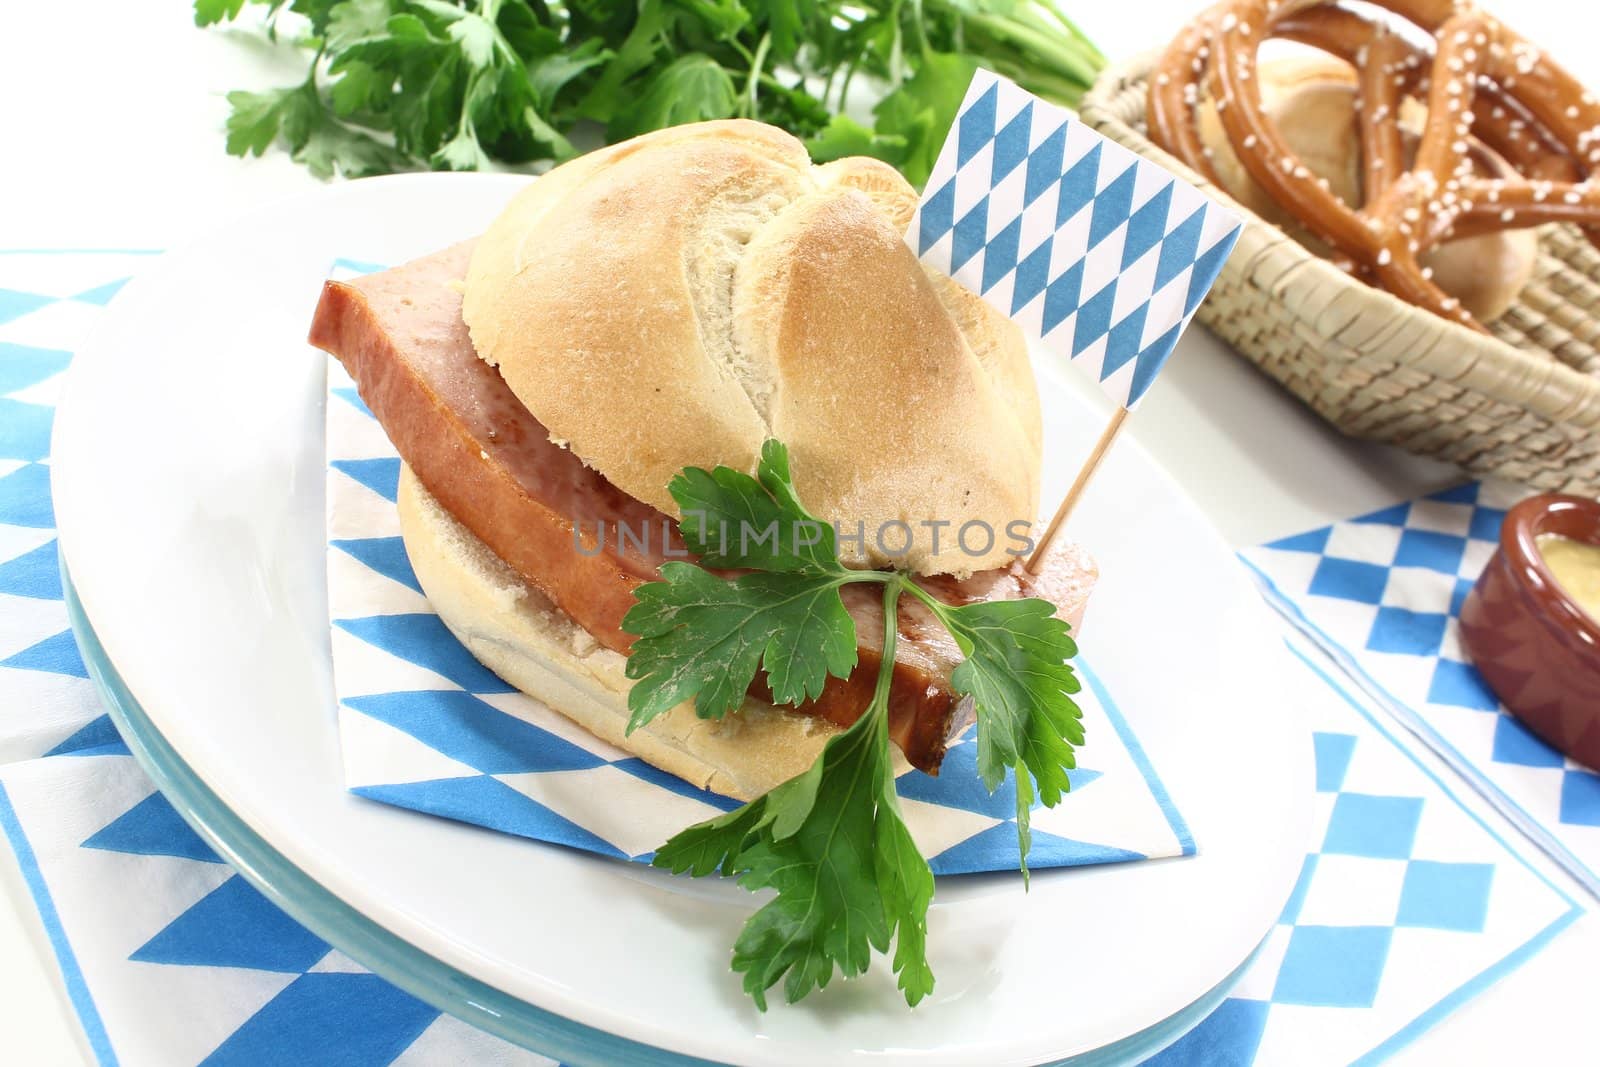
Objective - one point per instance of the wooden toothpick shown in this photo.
(1081, 483)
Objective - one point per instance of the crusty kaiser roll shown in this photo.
(673, 301)
(1312, 99)
(677, 299)
(517, 633)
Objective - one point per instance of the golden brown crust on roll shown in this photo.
(675, 300)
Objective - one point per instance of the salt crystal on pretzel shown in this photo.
(1537, 116)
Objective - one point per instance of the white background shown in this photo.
(110, 137)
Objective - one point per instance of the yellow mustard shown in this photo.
(1576, 566)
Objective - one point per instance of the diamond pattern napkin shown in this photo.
(1408, 904)
(170, 957)
(1381, 592)
(167, 956)
(1407, 907)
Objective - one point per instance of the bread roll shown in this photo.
(1312, 100)
(676, 299)
(514, 631)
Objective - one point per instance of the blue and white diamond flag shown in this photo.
(1098, 253)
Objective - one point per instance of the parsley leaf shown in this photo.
(1016, 672)
(691, 88)
(255, 120)
(832, 842)
(844, 136)
(733, 520)
(921, 110)
(472, 83)
(701, 636)
(313, 136)
(355, 21)
(207, 12)
(704, 637)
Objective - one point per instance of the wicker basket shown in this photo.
(1523, 404)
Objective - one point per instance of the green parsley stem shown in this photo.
(891, 633)
(935, 605)
(895, 582)
(844, 85)
(1077, 36)
(1067, 58)
(310, 84)
(754, 80)
(923, 45)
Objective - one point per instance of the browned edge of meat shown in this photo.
(471, 442)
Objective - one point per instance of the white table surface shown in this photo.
(110, 137)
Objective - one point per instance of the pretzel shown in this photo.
(1484, 86)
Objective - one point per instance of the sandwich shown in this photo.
(670, 302)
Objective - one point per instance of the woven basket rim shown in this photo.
(1538, 382)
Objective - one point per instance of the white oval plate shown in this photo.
(189, 493)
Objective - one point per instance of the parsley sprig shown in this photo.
(831, 842)
(459, 83)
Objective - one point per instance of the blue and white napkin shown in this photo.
(1381, 593)
(1409, 907)
(424, 726)
(1409, 904)
(166, 955)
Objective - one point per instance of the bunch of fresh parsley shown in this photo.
(831, 841)
(454, 84)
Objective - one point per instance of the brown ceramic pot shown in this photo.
(1538, 650)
